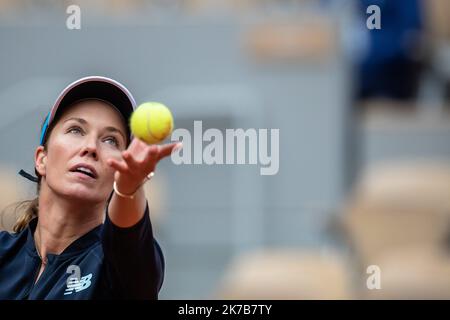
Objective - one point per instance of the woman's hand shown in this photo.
(136, 164)
(138, 161)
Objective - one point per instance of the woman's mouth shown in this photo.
(83, 176)
(84, 170)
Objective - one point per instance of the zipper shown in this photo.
(27, 294)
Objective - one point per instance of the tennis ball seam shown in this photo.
(149, 130)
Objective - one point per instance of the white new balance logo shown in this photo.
(74, 282)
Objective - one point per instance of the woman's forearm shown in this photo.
(125, 212)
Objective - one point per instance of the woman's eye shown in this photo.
(74, 130)
(113, 141)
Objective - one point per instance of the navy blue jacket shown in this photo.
(108, 262)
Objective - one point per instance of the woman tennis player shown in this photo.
(88, 234)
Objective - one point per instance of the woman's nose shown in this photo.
(90, 149)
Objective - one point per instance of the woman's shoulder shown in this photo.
(8, 240)
(9, 236)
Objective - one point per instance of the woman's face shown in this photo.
(87, 135)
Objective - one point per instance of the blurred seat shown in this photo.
(285, 274)
(438, 27)
(10, 193)
(437, 21)
(309, 37)
(399, 205)
(413, 273)
(419, 184)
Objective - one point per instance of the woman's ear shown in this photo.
(40, 160)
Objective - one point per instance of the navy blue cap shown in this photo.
(93, 87)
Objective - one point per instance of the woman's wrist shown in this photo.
(122, 194)
(124, 191)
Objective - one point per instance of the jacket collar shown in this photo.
(85, 241)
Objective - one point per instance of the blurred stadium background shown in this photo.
(364, 123)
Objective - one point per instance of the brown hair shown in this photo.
(30, 210)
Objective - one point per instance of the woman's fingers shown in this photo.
(154, 151)
(167, 149)
(141, 157)
(118, 165)
(127, 155)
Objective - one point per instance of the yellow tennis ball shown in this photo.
(151, 122)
